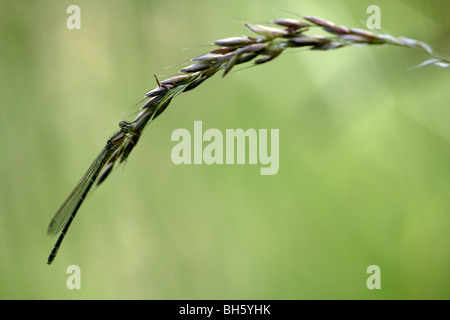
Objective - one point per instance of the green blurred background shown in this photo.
(364, 156)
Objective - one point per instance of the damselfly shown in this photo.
(66, 213)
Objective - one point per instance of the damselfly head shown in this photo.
(125, 126)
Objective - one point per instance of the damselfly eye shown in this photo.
(124, 125)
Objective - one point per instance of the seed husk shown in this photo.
(320, 22)
(176, 80)
(303, 41)
(364, 33)
(337, 30)
(290, 23)
(328, 46)
(208, 57)
(268, 32)
(245, 57)
(231, 63)
(196, 67)
(156, 92)
(195, 84)
(232, 42)
(256, 47)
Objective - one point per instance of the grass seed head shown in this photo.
(232, 51)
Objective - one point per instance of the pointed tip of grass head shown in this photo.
(416, 44)
(434, 61)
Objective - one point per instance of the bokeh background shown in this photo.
(364, 173)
